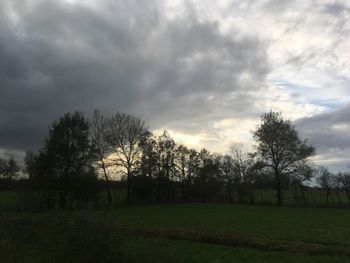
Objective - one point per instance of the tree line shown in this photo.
(81, 158)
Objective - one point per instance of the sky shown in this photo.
(204, 70)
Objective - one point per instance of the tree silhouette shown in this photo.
(243, 172)
(182, 155)
(124, 133)
(280, 148)
(344, 181)
(326, 180)
(9, 169)
(101, 149)
(64, 163)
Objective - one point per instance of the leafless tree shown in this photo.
(101, 147)
(124, 133)
(182, 155)
(243, 171)
(344, 182)
(326, 180)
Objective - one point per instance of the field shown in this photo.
(176, 233)
(312, 225)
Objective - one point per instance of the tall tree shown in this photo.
(243, 172)
(344, 181)
(148, 163)
(101, 147)
(280, 148)
(166, 150)
(61, 171)
(68, 149)
(124, 134)
(182, 155)
(227, 170)
(326, 180)
(207, 181)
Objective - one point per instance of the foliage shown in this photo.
(280, 149)
(62, 170)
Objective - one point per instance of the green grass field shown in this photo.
(175, 233)
(97, 236)
(313, 225)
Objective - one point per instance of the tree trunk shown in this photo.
(107, 185)
(128, 186)
(278, 188)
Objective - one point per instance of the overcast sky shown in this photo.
(205, 70)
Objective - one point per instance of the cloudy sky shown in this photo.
(205, 70)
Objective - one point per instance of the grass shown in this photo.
(313, 197)
(88, 236)
(186, 251)
(175, 233)
(313, 225)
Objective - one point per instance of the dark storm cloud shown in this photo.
(118, 55)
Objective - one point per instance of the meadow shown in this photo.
(192, 232)
(327, 226)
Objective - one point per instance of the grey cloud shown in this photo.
(120, 55)
(330, 133)
(336, 8)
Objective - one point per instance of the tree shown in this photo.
(344, 181)
(243, 172)
(69, 147)
(326, 180)
(148, 163)
(193, 170)
(166, 151)
(12, 169)
(124, 133)
(147, 168)
(280, 148)
(227, 171)
(64, 164)
(101, 147)
(9, 169)
(207, 185)
(182, 155)
(3, 168)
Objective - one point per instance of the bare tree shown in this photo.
(243, 171)
(344, 182)
(227, 171)
(124, 133)
(280, 148)
(182, 155)
(101, 147)
(166, 150)
(326, 180)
